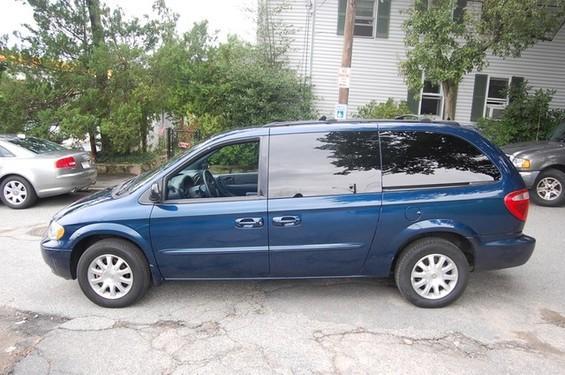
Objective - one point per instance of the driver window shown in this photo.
(230, 171)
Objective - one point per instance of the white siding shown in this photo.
(543, 66)
(375, 71)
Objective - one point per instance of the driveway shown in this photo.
(509, 321)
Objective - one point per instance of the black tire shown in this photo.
(554, 174)
(416, 251)
(30, 197)
(133, 257)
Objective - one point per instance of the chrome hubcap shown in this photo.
(434, 276)
(15, 192)
(110, 276)
(549, 188)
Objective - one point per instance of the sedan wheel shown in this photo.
(17, 192)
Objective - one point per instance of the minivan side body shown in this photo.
(327, 200)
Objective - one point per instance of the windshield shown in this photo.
(558, 134)
(36, 145)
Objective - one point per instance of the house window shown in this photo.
(458, 10)
(431, 102)
(497, 97)
(372, 18)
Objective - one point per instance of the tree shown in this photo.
(80, 50)
(445, 41)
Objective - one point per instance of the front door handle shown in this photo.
(287, 221)
(249, 222)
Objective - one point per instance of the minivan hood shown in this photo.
(531, 147)
(89, 201)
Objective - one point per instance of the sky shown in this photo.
(225, 16)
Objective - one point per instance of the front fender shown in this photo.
(119, 231)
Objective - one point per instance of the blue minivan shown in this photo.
(425, 203)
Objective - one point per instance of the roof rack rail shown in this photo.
(291, 123)
(334, 121)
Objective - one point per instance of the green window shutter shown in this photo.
(413, 101)
(479, 96)
(515, 84)
(459, 11)
(383, 18)
(342, 5)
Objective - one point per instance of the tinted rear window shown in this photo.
(332, 163)
(39, 146)
(428, 159)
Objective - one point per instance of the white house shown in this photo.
(316, 45)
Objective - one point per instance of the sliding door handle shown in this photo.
(287, 221)
(249, 222)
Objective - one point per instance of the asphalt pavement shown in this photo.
(508, 321)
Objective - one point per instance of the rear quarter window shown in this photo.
(424, 159)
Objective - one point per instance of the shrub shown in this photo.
(528, 117)
(387, 110)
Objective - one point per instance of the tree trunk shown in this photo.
(450, 99)
(143, 131)
(92, 140)
(101, 73)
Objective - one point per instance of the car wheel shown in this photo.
(431, 272)
(113, 273)
(17, 192)
(549, 188)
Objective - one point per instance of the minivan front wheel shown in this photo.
(431, 272)
(113, 273)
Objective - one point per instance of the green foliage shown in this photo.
(115, 75)
(528, 117)
(235, 158)
(387, 110)
(446, 48)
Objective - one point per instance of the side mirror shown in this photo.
(155, 193)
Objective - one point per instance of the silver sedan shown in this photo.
(32, 168)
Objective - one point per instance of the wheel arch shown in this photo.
(457, 239)
(13, 174)
(85, 241)
(559, 167)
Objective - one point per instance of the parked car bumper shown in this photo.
(59, 260)
(529, 178)
(66, 183)
(503, 253)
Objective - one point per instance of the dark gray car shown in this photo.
(542, 166)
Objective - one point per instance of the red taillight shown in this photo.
(66, 163)
(517, 203)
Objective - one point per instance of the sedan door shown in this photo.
(324, 201)
(203, 232)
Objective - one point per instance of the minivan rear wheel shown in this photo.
(113, 273)
(549, 189)
(431, 272)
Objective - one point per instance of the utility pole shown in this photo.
(345, 70)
